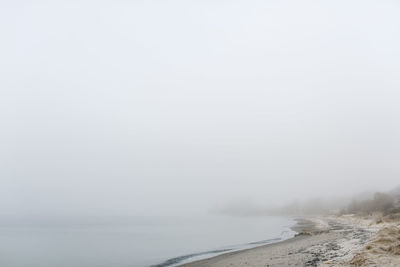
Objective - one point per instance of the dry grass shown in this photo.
(386, 244)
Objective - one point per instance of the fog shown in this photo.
(186, 107)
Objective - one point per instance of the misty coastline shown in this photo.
(363, 232)
(200, 133)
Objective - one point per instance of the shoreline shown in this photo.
(321, 241)
(287, 233)
(302, 225)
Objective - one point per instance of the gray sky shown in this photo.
(134, 107)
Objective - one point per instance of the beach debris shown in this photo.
(305, 232)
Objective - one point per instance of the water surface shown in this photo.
(123, 242)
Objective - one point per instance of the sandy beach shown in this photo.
(323, 241)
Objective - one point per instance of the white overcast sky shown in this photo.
(136, 107)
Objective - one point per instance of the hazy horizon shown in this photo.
(184, 107)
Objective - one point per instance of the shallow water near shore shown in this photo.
(124, 242)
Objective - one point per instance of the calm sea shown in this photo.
(131, 242)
